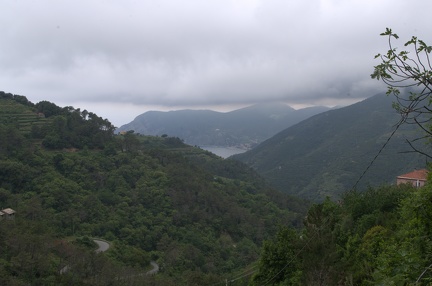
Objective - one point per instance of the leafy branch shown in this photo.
(409, 69)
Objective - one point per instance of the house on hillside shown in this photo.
(417, 178)
(7, 214)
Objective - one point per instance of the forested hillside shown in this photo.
(326, 154)
(68, 177)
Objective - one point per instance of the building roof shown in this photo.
(415, 175)
(8, 211)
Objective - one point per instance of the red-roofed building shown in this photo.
(416, 178)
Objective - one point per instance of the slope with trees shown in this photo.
(327, 153)
(153, 198)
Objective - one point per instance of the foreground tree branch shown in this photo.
(408, 69)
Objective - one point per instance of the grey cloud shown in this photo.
(191, 52)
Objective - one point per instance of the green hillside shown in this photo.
(201, 218)
(325, 155)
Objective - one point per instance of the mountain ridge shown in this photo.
(245, 127)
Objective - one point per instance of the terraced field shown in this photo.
(23, 116)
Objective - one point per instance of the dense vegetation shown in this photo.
(153, 198)
(377, 237)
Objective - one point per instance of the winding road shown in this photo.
(154, 270)
(104, 246)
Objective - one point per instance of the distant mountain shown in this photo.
(327, 153)
(244, 127)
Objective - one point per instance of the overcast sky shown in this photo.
(122, 58)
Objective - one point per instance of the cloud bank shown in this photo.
(192, 53)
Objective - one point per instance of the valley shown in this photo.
(195, 217)
(211, 143)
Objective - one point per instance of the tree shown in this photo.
(409, 69)
(280, 261)
(130, 142)
(48, 108)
